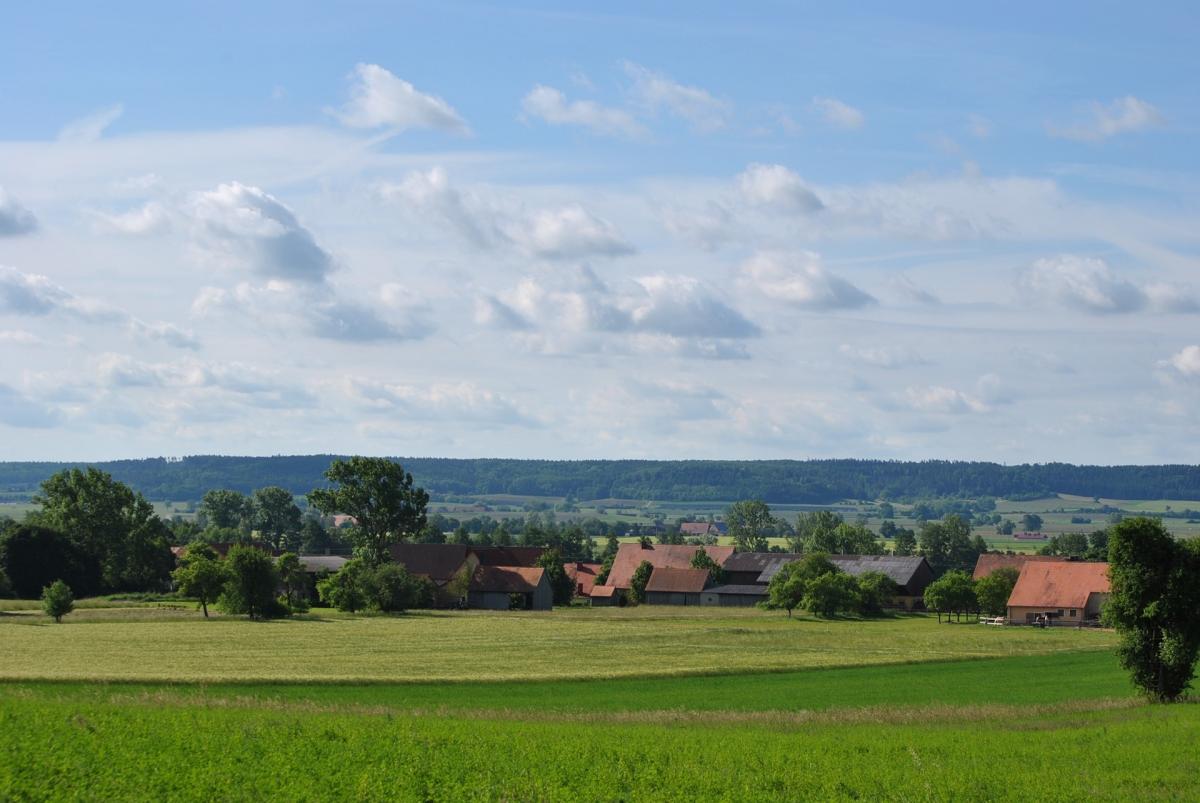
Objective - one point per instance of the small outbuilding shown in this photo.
(506, 588)
(606, 597)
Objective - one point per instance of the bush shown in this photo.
(831, 594)
(57, 600)
(393, 589)
(875, 592)
(253, 581)
(993, 591)
(33, 557)
(201, 575)
(348, 588)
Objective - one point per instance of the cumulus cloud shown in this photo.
(551, 106)
(379, 99)
(709, 227)
(162, 332)
(150, 218)
(18, 410)
(315, 309)
(940, 399)
(254, 386)
(799, 278)
(90, 128)
(1186, 362)
(1123, 115)
(562, 233)
(244, 227)
(906, 289)
(778, 187)
(15, 219)
(658, 314)
(654, 92)
(838, 114)
(19, 337)
(1090, 285)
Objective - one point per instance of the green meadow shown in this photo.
(151, 702)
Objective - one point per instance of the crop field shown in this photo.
(149, 701)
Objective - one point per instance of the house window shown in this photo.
(1060, 611)
(1072, 611)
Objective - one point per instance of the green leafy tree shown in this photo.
(952, 593)
(1031, 522)
(381, 496)
(201, 575)
(277, 517)
(875, 592)
(886, 510)
(830, 594)
(1155, 605)
(814, 529)
(6, 589)
(749, 524)
(906, 541)
(788, 586)
(393, 589)
(560, 585)
(116, 528)
(230, 510)
(294, 580)
(1006, 527)
(994, 590)
(33, 557)
(57, 600)
(1098, 545)
(253, 580)
(946, 544)
(702, 560)
(349, 588)
(459, 586)
(637, 583)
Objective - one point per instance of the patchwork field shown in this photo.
(149, 702)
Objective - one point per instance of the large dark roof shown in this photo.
(901, 568)
(508, 555)
(757, 561)
(438, 562)
(676, 581)
(737, 589)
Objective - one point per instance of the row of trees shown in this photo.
(817, 585)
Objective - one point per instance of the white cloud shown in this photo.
(778, 187)
(799, 278)
(14, 218)
(150, 218)
(1090, 285)
(251, 385)
(906, 289)
(683, 306)
(19, 337)
(709, 227)
(1121, 116)
(163, 332)
(90, 128)
(1186, 362)
(655, 91)
(838, 114)
(561, 233)
(882, 357)
(460, 402)
(312, 308)
(940, 399)
(550, 105)
(378, 99)
(246, 228)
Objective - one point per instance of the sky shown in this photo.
(623, 230)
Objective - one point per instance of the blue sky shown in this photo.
(662, 230)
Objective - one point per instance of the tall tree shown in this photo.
(789, 585)
(946, 544)
(1155, 605)
(560, 585)
(253, 580)
(226, 509)
(994, 590)
(201, 575)
(1031, 522)
(380, 495)
(637, 583)
(277, 517)
(703, 560)
(749, 523)
(117, 528)
(952, 593)
(814, 528)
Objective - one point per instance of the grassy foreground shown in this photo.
(158, 644)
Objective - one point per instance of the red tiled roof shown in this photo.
(666, 556)
(675, 581)
(696, 528)
(989, 562)
(603, 592)
(438, 562)
(1058, 584)
(582, 576)
(507, 579)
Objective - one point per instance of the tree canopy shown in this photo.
(382, 498)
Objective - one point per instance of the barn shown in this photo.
(504, 588)
(668, 586)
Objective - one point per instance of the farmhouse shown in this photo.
(1065, 592)
(502, 588)
(444, 564)
(660, 556)
(698, 528)
(911, 573)
(668, 586)
(582, 576)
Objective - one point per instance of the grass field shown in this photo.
(159, 643)
(146, 702)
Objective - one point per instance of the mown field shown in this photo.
(148, 702)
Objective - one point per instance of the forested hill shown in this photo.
(811, 481)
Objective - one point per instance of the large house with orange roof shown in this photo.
(660, 556)
(1059, 591)
(988, 562)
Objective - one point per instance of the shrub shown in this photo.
(33, 557)
(392, 588)
(875, 591)
(57, 600)
(560, 585)
(994, 590)
(201, 575)
(830, 594)
(637, 583)
(348, 588)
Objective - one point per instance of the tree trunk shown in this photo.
(204, 607)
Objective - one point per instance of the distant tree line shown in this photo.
(775, 481)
